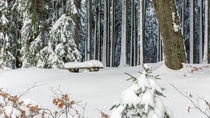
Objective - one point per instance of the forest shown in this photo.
(73, 58)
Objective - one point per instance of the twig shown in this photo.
(189, 98)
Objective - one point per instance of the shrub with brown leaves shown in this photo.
(12, 106)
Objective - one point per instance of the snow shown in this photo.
(101, 89)
(91, 63)
(58, 22)
(176, 26)
(4, 20)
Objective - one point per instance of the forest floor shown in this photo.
(101, 89)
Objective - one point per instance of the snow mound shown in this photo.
(91, 63)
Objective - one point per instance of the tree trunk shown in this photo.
(174, 51)
(108, 35)
(105, 36)
(140, 41)
(201, 33)
(96, 32)
(112, 58)
(206, 33)
(132, 33)
(192, 35)
(123, 56)
(88, 43)
(99, 32)
(76, 20)
(134, 38)
(194, 39)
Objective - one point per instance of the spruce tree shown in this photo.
(141, 100)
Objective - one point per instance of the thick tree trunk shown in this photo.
(174, 51)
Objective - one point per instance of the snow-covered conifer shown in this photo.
(6, 38)
(61, 47)
(142, 100)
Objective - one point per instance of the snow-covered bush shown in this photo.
(142, 99)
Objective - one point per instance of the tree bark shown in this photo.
(201, 33)
(206, 32)
(174, 51)
(105, 35)
(76, 20)
(112, 58)
(99, 32)
(88, 43)
(96, 32)
(132, 33)
(108, 35)
(123, 56)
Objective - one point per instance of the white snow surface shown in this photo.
(100, 90)
(90, 63)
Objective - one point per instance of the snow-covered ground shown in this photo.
(101, 89)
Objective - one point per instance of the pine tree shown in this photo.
(7, 56)
(141, 100)
(61, 47)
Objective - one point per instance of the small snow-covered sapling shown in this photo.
(142, 99)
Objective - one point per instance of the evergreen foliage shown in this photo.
(142, 100)
(37, 33)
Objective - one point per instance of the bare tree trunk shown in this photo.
(105, 36)
(89, 47)
(140, 42)
(206, 32)
(112, 58)
(143, 30)
(123, 57)
(172, 37)
(192, 36)
(96, 32)
(99, 32)
(76, 20)
(201, 33)
(194, 39)
(132, 33)
(108, 35)
(134, 38)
